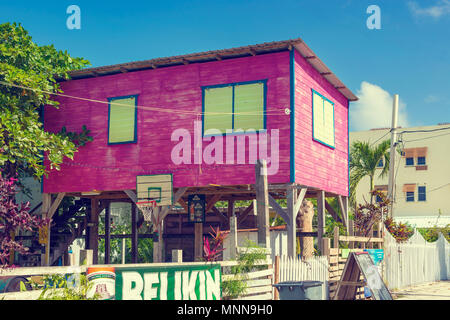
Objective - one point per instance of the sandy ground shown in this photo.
(428, 291)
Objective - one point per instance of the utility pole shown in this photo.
(392, 155)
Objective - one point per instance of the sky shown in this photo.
(408, 55)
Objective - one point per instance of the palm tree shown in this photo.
(364, 160)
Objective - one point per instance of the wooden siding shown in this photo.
(99, 166)
(317, 165)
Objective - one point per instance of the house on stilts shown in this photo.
(168, 129)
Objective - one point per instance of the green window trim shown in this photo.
(122, 120)
(321, 107)
(231, 101)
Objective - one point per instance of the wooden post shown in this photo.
(134, 234)
(107, 259)
(326, 247)
(177, 255)
(291, 225)
(233, 237)
(351, 244)
(93, 229)
(198, 241)
(320, 218)
(262, 203)
(46, 203)
(86, 257)
(276, 279)
(336, 238)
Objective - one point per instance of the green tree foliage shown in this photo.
(363, 163)
(28, 80)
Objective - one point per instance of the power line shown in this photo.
(430, 130)
(426, 138)
(166, 110)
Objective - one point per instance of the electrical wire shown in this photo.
(166, 110)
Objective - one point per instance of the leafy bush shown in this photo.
(247, 261)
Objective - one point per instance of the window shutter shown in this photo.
(249, 106)
(122, 120)
(218, 108)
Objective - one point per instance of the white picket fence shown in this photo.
(415, 261)
(314, 268)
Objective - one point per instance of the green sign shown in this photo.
(197, 282)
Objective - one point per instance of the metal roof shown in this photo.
(251, 50)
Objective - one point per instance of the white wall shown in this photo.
(436, 178)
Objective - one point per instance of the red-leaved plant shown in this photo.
(213, 249)
(400, 231)
(14, 217)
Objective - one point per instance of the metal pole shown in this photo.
(392, 155)
(123, 249)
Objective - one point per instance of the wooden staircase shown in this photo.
(66, 227)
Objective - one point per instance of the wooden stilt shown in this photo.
(291, 224)
(320, 218)
(107, 234)
(93, 230)
(134, 234)
(262, 203)
(198, 241)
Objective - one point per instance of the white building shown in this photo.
(422, 174)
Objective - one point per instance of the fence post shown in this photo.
(326, 247)
(276, 274)
(177, 255)
(336, 238)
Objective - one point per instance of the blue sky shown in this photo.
(409, 55)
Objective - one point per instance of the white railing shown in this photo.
(415, 261)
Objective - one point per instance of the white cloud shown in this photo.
(441, 8)
(374, 109)
(431, 98)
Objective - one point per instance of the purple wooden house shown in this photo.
(195, 125)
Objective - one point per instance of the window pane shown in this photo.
(217, 102)
(122, 118)
(409, 161)
(249, 99)
(421, 161)
(409, 196)
(422, 194)
(323, 120)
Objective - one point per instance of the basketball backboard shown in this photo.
(157, 187)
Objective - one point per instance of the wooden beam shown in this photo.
(46, 204)
(198, 241)
(320, 218)
(299, 201)
(55, 204)
(230, 209)
(183, 204)
(219, 214)
(262, 203)
(134, 234)
(107, 235)
(331, 211)
(245, 214)
(93, 229)
(275, 206)
(131, 194)
(177, 196)
(291, 225)
(343, 205)
(212, 201)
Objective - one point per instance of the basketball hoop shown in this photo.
(147, 208)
